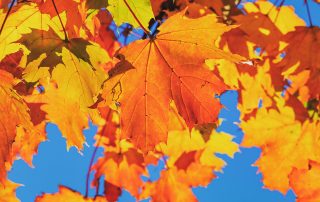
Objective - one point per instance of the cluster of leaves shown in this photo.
(158, 97)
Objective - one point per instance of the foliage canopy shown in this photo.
(157, 98)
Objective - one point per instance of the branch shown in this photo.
(64, 30)
(7, 15)
(137, 20)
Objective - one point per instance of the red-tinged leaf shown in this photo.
(111, 191)
(168, 188)
(104, 36)
(14, 114)
(72, 9)
(110, 127)
(304, 182)
(123, 170)
(185, 160)
(11, 64)
(308, 39)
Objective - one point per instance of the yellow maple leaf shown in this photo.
(285, 144)
(7, 191)
(66, 194)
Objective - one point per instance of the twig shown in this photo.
(90, 165)
(64, 30)
(7, 15)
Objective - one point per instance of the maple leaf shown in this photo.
(4, 3)
(157, 6)
(180, 142)
(215, 5)
(308, 39)
(253, 85)
(71, 122)
(14, 112)
(187, 168)
(298, 85)
(270, 23)
(188, 154)
(20, 22)
(109, 129)
(149, 77)
(304, 182)
(165, 90)
(77, 88)
(94, 4)
(122, 169)
(11, 64)
(77, 82)
(40, 41)
(122, 10)
(66, 194)
(75, 16)
(283, 17)
(285, 142)
(111, 191)
(256, 88)
(168, 188)
(102, 34)
(7, 191)
(26, 141)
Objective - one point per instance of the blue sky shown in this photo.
(55, 166)
(240, 182)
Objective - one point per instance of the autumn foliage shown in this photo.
(157, 98)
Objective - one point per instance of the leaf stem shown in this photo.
(137, 20)
(7, 15)
(309, 13)
(64, 30)
(272, 7)
(276, 18)
(90, 165)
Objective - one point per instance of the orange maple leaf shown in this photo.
(14, 114)
(7, 191)
(305, 182)
(168, 188)
(122, 169)
(168, 66)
